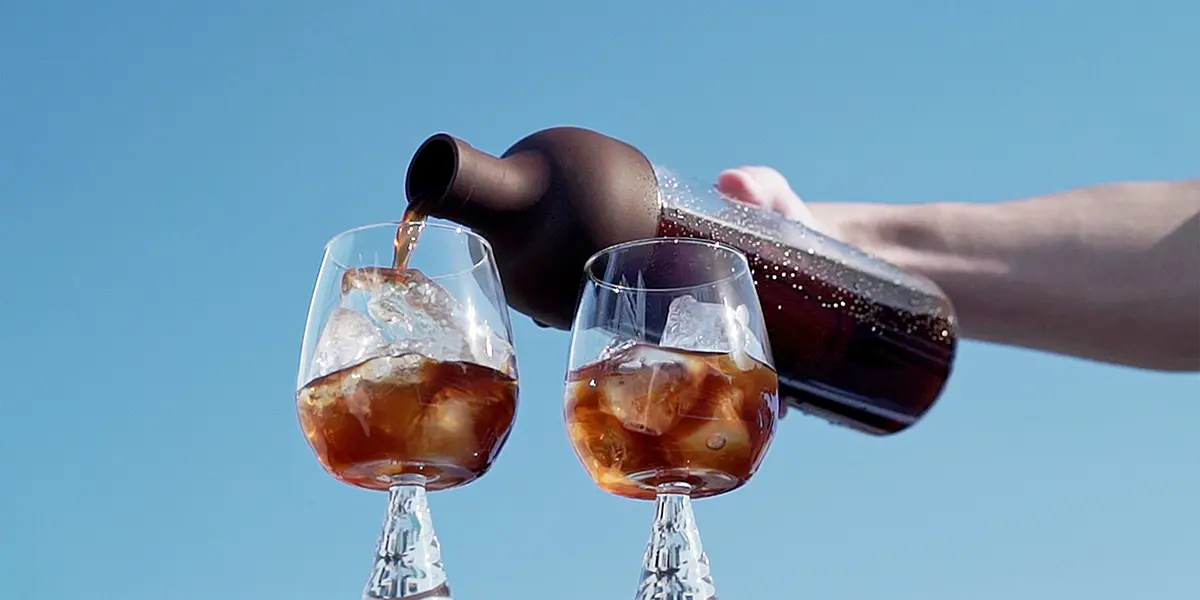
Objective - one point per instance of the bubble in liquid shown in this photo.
(715, 441)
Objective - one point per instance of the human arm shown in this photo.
(1108, 273)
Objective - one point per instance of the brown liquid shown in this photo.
(649, 416)
(407, 414)
(407, 236)
(841, 353)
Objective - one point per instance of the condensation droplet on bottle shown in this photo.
(715, 441)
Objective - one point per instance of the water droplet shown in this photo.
(715, 441)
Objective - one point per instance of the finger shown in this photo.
(743, 187)
(784, 200)
(764, 187)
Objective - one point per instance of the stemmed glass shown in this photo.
(671, 393)
(408, 381)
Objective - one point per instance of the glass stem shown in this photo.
(408, 559)
(675, 566)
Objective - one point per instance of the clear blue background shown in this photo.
(169, 171)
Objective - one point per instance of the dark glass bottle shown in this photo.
(856, 340)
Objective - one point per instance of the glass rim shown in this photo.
(454, 228)
(742, 269)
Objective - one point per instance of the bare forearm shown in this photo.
(1109, 273)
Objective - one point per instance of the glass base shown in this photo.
(675, 566)
(408, 559)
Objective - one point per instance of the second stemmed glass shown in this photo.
(408, 381)
(672, 393)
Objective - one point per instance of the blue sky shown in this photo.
(170, 170)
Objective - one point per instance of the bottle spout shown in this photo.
(545, 205)
(448, 178)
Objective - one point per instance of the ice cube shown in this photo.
(614, 347)
(348, 338)
(396, 370)
(718, 444)
(711, 327)
(701, 326)
(418, 315)
(649, 389)
(447, 430)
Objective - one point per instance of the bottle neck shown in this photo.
(449, 179)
